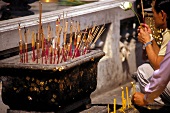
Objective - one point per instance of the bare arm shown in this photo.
(160, 79)
(155, 47)
(152, 50)
(157, 84)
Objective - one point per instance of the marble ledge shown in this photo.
(47, 17)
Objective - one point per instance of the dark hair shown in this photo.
(165, 6)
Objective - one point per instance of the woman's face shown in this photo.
(157, 17)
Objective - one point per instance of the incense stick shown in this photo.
(40, 15)
(33, 46)
(142, 11)
(26, 47)
(43, 48)
(20, 44)
(38, 47)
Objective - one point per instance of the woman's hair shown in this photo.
(165, 6)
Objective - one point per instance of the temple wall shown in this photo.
(111, 71)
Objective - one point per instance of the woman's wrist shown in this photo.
(145, 100)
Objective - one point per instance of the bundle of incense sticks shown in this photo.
(54, 50)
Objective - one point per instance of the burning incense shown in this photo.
(83, 44)
(40, 25)
(38, 51)
(95, 32)
(48, 43)
(65, 27)
(100, 32)
(78, 27)
(46, 51)
(33, 46)
(51, 54)
(75, 34)
(26, 46)
(83, 40)
(65, 35)
(43, 48)
(143, 16)
(70, 41)
(93, 28)
(55, 52)
(76, 51)
(98, 35)
(20, 44)
(91, 36)
(58, 33)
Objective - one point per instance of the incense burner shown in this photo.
(42, 87)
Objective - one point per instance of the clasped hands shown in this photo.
(144, 32)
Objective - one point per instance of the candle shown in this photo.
(114, 106)
(124, 101)
(133, 88)
(130, 101)
(108, 109)
(122, 97)
(127, 96)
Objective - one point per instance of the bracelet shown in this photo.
(146, 44)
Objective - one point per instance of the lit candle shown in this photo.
(124, 101)
(114, 106)
(133, 87)
(127, 96)
(130, 101)
(108, 109)
(122, 98)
